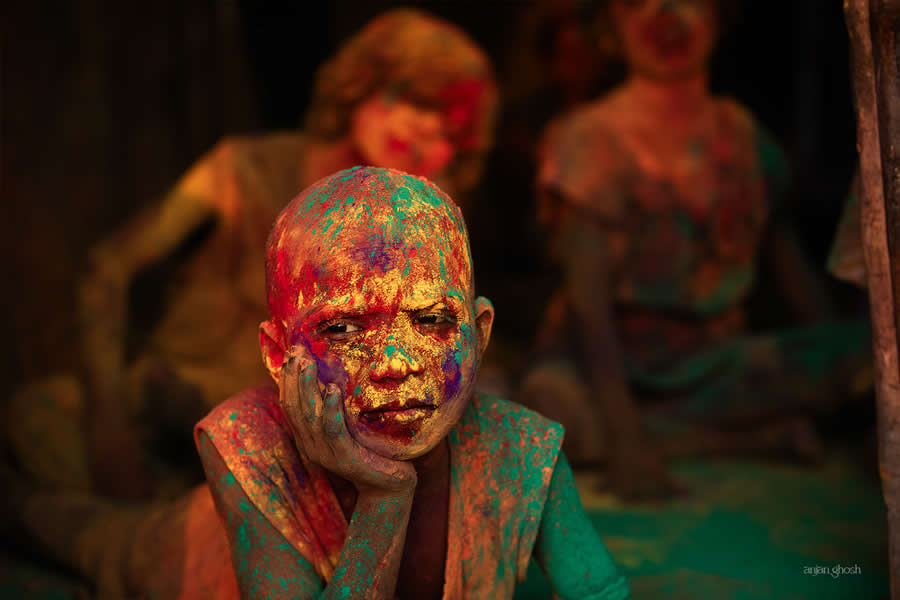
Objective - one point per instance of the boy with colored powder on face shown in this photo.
(370, 469)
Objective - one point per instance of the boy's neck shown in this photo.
(432, 468)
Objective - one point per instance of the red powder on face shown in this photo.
(400, 432)
(461, 102)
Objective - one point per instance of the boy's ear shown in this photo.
(271, 343)
(484, 321)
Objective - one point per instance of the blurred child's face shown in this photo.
(387, 310)
(666, 39)
(390, 131)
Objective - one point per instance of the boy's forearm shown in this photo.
(369, 563)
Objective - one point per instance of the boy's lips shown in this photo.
(397, 413)
(400, 406)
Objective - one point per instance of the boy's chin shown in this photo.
(394, 449)
(409, 440)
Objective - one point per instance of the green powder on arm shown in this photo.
(568, 549)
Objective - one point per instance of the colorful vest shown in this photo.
(502, 457)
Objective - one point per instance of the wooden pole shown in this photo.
(872, 26)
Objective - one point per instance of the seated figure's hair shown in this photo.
(424, 59)
(363, 212)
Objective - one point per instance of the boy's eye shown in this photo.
(435, 319)
(339, 329)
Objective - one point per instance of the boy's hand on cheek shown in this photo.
(321, 435)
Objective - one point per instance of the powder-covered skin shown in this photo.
(370, 281)
(387, 263)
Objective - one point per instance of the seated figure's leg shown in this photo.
(45, 433)
(165, 550)
(802, 372)
(555, 389)
(763, 401)
(173, 404)
(169, 408)
(48, 429)
(20, 578)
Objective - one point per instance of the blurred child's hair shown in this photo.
(424, 60)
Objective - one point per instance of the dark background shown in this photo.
(103, 104)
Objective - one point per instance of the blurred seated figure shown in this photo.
(409, 91)
(662, 200)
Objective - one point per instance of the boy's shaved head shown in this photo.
(370, 271)
(354, 218)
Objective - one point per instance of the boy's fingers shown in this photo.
(290, 404)
(310, 398)
(288, 390)
(332, 416)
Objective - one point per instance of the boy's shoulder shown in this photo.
(492, 415)
(504, 459)
(509, 436)
(254, 411)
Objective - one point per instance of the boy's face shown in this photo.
(391, 319)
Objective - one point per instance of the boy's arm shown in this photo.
(568, 549)
(267, 566)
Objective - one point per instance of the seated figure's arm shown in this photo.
(846, 259)
(103, 298)
(802, 286)
(585, 265)
(568, 549)
(635, 468)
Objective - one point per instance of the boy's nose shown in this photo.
(395, 362)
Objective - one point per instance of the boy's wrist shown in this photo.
(370, 496)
